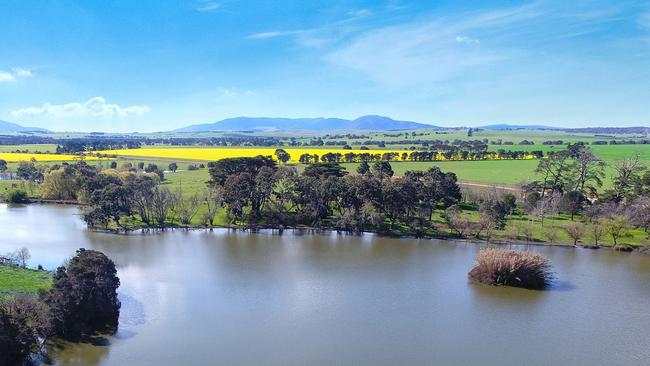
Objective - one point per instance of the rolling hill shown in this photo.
(14, 127)
(306, 124)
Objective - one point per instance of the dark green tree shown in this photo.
(83, 298)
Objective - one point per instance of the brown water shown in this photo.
(236, 298)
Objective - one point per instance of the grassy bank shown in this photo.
(14, 279)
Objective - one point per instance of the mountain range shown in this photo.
(14, 127)
(370, 122)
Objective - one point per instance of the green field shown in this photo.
(13, 280)
(50, 148)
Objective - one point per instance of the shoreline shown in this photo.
(144, 230)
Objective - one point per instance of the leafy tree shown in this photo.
(324, 170)
(83, 298)
(3, 165)
(282, 155)
(172, 167)
(617, 227)
(573, 203)
(223, 168)
(23, 321)
(29, 171)
(110, 202)
(364, 168)
(626, 180)
(382, 169)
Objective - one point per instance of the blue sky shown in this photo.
(157, 65)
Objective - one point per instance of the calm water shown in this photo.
(234, 298)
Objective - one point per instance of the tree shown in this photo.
(83, 298)
(173, 167)
(187, 208)
(575, 230)
(551, 234)
(224, 168)
(29, 171)
(213, 199)
(22, 256)
(325, 170)
(597, 230)
(555, 172)
(282, 155)
(3, 165)
(382, 169)
(453, 217)
(23, 322)
(627, 178)
(639, 213)
(589, 171)
(573, 203)
(364, 168)
(616, 227)
(110, 202)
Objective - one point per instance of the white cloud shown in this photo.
(14, 74)
(267, 35)
(22, 72)
(6, 77)
(206, 5)
(464, 39)
(95, 107)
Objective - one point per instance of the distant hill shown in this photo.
(611, 130)
(305, 124)
(14, 127)
(504, 126)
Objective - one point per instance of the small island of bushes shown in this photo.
(516, 268)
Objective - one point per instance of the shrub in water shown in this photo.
(505, 267)
(17, 196)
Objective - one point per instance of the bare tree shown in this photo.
(551, 234)
(22, 256)
(455, 220)
(597, 231)
(547, 206)
(488, 226)
(187, 208)
(639, 213)
(212, 198)
(529, 231)
(575, 230)
(162, 204)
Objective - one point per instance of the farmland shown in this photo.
(16, 157)
(211, 154)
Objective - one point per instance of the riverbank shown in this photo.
(405, 234)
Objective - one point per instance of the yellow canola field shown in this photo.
(16, 157)
(211, 154)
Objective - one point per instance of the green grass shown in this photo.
(507, 172)
(50, 148)
(15, 280)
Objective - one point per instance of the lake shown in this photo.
(237, 298)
